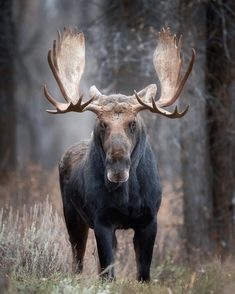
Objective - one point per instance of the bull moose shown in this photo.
(111, 181)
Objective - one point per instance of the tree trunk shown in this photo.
(220, 110)
(195, 163)
(7, 109)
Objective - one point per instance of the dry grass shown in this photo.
(35, 257)
(32, 240)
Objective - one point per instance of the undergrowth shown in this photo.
(35, 257)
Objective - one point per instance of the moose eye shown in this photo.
(132, 126)
(103, 126)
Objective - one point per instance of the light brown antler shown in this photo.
(67, 62)
(168, 64)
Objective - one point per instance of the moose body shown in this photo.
(111, 181)
(91, 200)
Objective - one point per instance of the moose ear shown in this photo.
(148, 93)
(94, 92)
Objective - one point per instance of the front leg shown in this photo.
(143, 243)
(104, 241)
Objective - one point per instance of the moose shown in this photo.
(111, 181)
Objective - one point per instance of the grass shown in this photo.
(35, 257)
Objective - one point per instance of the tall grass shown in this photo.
(33, 240)
(35, 257)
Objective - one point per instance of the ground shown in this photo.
(35, 257)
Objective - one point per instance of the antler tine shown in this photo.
(60, 107)
(49, 97)
(59, 36)
(156, 109)
(144, 105)
(53, 65)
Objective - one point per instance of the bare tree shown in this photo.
(220, 53)
(194, 151)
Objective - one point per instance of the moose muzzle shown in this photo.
(117, 170)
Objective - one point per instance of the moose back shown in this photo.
(111, 181)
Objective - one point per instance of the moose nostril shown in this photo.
(118, 177)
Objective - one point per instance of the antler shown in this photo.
(156, 109)
(67, 62)
(168, 64)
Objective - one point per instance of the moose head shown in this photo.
(118, 122)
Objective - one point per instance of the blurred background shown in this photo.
(196, 154)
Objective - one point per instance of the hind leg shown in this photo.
(78, 233)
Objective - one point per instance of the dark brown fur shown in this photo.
(92, 200)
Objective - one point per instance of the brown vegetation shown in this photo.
(35, 255)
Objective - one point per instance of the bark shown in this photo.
(7, 109)
(220, 112)
(195, 153)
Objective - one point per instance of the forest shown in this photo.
(195, 244)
